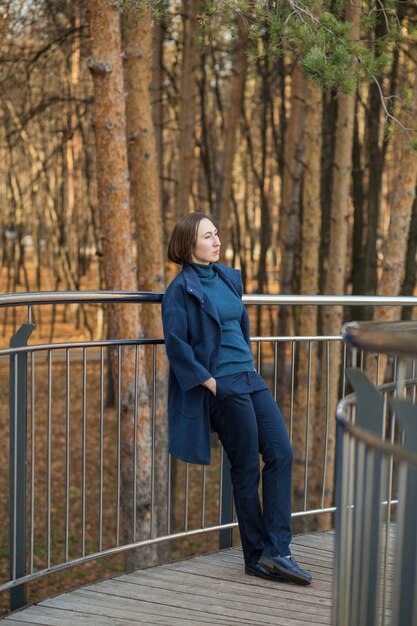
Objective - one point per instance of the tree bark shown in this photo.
(231, 127)
(187, 109)
(330, 104)
(309, 281)
(358, 199)
(145, 188)
(118, 262)
(409, 283)
(335, 280)
(375, 163)
(289, 225)
(157, 94)
(395, 243)
(403, 197)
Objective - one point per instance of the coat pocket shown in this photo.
(193, 402)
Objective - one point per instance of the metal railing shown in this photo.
(376, 486)
(65, 505)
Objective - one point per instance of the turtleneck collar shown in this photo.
(203, 271)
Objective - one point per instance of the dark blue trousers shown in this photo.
(248, 423)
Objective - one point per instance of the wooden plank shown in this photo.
(314, 557)
(215, 606)
(227, 571)
(321, 587)
(224, 593)
(7, 621)
(200, 591)
(58, 617)
(143, 612)
(257, 591)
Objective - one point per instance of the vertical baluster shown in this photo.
(169, 479)
(186, 488)
(259, 359)
(203, 496)
(83, 462)
(101, 434)
(275, 344)
(344, 370)
(292, 388)
(119, 408)
(135, 444)
(17, 463)
(67, 452)
(153, 414)
(14, 460)
(32, 459)
(326, 436)
(49, 460)
(221, 485)
(307, 431)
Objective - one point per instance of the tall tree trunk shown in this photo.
(409, 283)
(289, 226)
(144, 176)
(143, 163)
(207, 152)
(187, 107)
(403, 197)
(292, 180)
(395, 243)
(265, 225)
(231, 127)
(118, 264)
(335, 282)
(158, 33)
(330, 103)
(309, 281)
(74, 196)
(375, 166)
(358, 199)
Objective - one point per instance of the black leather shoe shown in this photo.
(261, 572)
(287, 568)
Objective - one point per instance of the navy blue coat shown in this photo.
(192, 340)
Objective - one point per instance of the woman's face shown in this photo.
(207, 245)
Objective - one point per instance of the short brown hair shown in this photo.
(183, 238)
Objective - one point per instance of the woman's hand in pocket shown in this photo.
(210, 383)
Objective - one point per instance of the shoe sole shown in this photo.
(289, 576)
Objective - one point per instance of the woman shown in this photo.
(213, 383)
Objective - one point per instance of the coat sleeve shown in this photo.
(186, 368)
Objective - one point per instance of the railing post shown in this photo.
(17, 463)
(226, 510)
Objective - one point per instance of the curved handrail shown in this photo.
(398, 338)
(79, 297)
(69, 345)
(365, 436)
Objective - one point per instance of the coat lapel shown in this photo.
(194, 288)
(227, 279)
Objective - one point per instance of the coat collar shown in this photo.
(192, 283)
(228, 274)
(194, 287)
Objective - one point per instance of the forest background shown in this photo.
(293, 123)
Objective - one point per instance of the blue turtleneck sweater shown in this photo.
(235, 354)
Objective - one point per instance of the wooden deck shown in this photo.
(210, 590)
